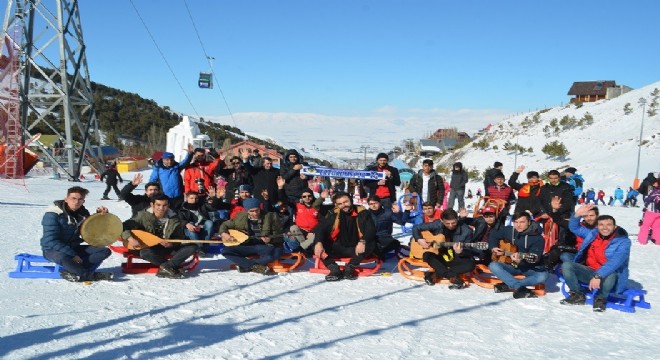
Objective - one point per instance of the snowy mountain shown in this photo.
(604, 152)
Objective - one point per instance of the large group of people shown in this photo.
(259, 212)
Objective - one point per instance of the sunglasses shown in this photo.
(235, 162)
(306, 196)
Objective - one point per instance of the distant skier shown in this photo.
(591, 196)
(618, 195)
(601, 197)
(631, 198)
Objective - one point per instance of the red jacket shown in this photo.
(596, 253)
(503, 193)
(196, 171)
(306, 217)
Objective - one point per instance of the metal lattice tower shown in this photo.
(54, 82)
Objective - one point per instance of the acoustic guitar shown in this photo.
(510, 249)
(437, 242)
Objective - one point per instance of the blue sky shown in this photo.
(355, 58)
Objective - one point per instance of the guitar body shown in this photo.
(508, 248)
(417, 251)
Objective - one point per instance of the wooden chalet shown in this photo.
(590, 91)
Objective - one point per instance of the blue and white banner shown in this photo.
(342, 173)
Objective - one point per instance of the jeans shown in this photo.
(203, 234)
(456, 195)
(238, 254)
(506, 273)
(567, 257)
(91, 256)
(575, 273)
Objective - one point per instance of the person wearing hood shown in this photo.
(489, 179)
(527, 237)
(385, 189)
(459, 178)
(296, 183)
(601, 262)
(61, 242)
(647, 184)
(428, 184)
(160, 220)
(167, 172)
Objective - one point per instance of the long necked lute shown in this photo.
(148, 240)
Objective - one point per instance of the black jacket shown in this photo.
(347, 236)
(436, 186)
(294, 186)
(529, 197)
(392, 182)
(263, 179)
(111, 175)
(528, 241)
(564, 191)
(137, 202)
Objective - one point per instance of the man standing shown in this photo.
(529, 193)
(264, 179)
(163, 222)
(139, 202)
(527, 237)
(459, 178)
(489, 179)
(111, 175)
(428, 184)
(61, 242)
(264, 238)
(602, 260)
(449, 263)
(385, 190)
(575, 180)
(348, 231)
(167, 172)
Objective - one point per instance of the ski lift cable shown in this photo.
(164, 58)
(209, 59)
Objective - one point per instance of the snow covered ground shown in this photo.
(221, 314)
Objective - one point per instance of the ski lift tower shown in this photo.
(53, 78)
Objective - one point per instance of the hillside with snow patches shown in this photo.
(605, 152)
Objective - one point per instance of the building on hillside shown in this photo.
(590, 91)
(430, 147)
(463, 137)
(235, 149)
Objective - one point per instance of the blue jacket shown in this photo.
(384, 220)
(632, 194)
(169, 178)
(618, 193)
(617, 252)
(576, 181)
(62, 228)
(528, 241)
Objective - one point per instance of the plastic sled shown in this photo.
(415, 269)
(482, 276)
(35, 266)
(368, 266)
(143, 267)
(626, 302)
(484, 201)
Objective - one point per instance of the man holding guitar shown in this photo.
(447, 263)
(262, 236)
(163, 222)
(518, 250)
